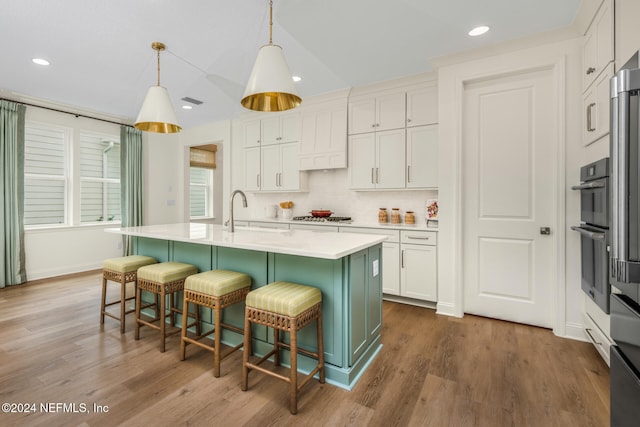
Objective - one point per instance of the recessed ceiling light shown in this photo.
(296, 78)
(477, 31)
(187, 107)
(40, 61)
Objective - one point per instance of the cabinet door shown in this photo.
(323, 140)
(598, 48)
(422, 157)
(390, 158)
(362, 160)
(391, 268)
(422, 106)
(270, 130)
(419, 274)
(252, 134)
(588, 59)
(390, 111)
(270, 167)
(290, 128)
(289, 168)
(596, 104)
(362, 116)
(252, 169)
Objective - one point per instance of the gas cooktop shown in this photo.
(310, 218)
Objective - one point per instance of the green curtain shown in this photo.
(131, 185)
(12, 270)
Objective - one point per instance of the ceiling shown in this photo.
(102, 61)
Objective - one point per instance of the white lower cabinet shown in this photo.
(409, 262)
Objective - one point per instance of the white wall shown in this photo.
(62, 250)
(162, 169)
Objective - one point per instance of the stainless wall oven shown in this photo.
(625, 244)
(594, 231)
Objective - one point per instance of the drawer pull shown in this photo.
(593, 340)
(418, 237)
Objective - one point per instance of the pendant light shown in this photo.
(270, 86)
(157, 114)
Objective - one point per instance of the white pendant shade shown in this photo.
(270, 86)
(157, 113)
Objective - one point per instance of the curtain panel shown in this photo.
(12, 258)
(131, 183)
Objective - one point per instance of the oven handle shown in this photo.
(589, 185)
(594, 235)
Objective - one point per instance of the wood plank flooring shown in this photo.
(432, 371)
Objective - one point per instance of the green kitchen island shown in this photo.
(346, 267)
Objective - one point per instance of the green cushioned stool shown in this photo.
(287, 307)
(215, 289)
(121, 270)
(164, 279)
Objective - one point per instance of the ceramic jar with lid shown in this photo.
(395, 216)
(409, 218)
(383, 216)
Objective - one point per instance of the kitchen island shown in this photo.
(346, 267)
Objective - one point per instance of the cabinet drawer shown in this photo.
(419, 237)
(393, 235)
(281, 226)
(318, 228)
(597, 337)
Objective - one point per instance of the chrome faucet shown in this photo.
(244, 204)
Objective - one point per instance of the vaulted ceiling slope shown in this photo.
(102, 61)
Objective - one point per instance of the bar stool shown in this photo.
(165, 278)
(287, 307)
(215, 289)
(121, 270)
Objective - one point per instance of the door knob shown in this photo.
(545, 230)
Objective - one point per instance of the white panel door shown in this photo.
(509, 140)
(270, 168)
(390, 159)
(289, 169)
(419, 272)
(422, 157)
(362, 160)
(252, 169)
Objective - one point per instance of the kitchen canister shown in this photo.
(287, 213)
(270, 211)
(383, 216)
(409, 218)
(395, 215)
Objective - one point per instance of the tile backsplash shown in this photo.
(329, 190)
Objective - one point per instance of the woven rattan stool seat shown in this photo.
(216, 290)
(164, 279)
(122, 270)
(288, 307)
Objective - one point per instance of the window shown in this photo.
(200, 192)
(70, 178)
(46, 174)
(99, 178)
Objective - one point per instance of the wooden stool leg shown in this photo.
(293, 387)
(198, 323)
(183, 333)
(138, 302)
(320, 347)
(104, 299)
(218, 341)
(276, 347)
(163, 314)
(245, 353)
(123, 302)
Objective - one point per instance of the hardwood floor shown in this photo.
(433, 371)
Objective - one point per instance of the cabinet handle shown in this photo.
(377, 124)
(373, 125)
(589, 107)
(258, 180)
(408, 120)
(590, 70)
(596, 342)
(408, 173)
(417, 237)
(402, 258)
(372, 176)
(258, 141)
(377, 176)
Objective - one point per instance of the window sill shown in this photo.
(86, 226)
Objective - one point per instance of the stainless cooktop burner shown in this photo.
(310, 218)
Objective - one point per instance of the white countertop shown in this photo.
(291, 242)
(358, 224)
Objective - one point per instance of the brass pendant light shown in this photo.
(157, 113)
(270, 86)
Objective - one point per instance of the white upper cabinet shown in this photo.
(596, 104)
(377, 113)
(422, 157)
(251, 134)
(323, 140)
(280, 167)
(252, 169)
(422, 106)
(280, 129)
(598, 48)
(377, 160)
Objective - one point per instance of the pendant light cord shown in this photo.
(158, 67)
(270, 21)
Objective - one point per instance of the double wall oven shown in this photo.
(594, 231)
